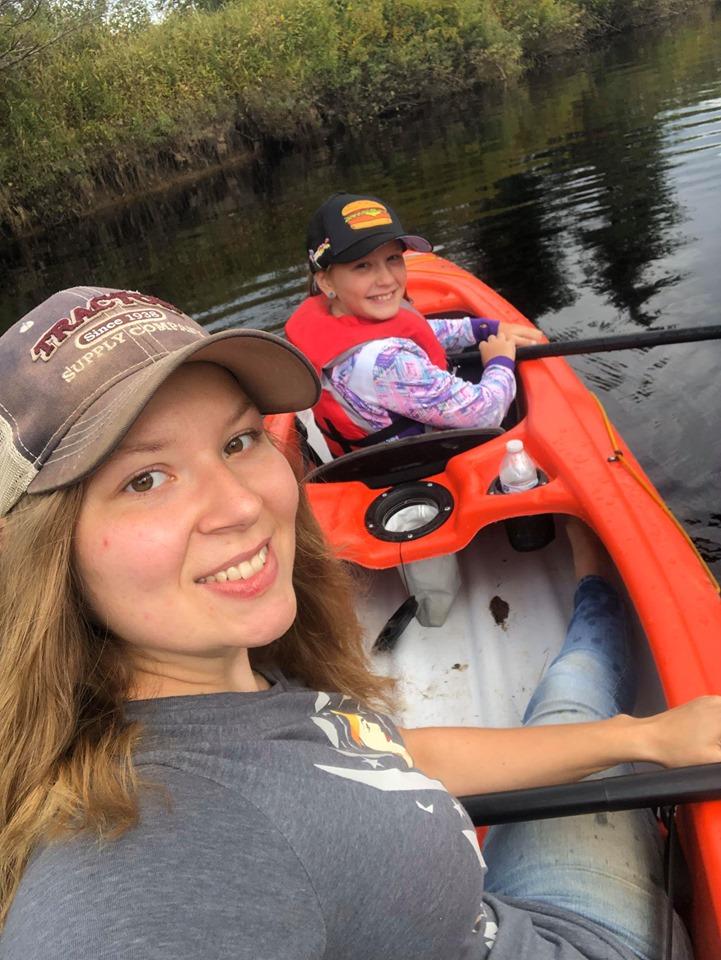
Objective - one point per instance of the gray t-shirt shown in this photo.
(292, 826)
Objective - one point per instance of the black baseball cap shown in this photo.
(347, 226)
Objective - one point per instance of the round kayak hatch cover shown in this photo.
(409, 511)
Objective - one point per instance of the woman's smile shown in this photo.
(250, 578)
(239, 568)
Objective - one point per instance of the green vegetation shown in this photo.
(98, 105)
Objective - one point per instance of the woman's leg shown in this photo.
(607, 868)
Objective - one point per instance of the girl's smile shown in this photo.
(185, 541)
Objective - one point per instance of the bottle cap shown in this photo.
(514, 446)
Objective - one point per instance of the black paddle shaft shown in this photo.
(632, 791)
(626, 341)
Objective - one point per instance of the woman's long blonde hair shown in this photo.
(65, 745)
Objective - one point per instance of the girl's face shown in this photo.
(371, 287)
(186, 535)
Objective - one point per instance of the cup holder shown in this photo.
(527, 533)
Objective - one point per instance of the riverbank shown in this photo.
(109, 111)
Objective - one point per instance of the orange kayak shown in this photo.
(591, 474)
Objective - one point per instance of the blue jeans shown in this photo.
(607, 868)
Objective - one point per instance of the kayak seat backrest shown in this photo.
(401, 461)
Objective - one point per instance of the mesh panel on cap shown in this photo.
(16, 472)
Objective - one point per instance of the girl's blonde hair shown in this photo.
(65, 744)
(312, 284)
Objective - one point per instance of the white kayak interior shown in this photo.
(474, 670)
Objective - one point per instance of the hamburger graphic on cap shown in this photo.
(361, 214)
(348, 226)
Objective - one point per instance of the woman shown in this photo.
(382, 364)
(191, 761)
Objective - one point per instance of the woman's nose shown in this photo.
(227, 501)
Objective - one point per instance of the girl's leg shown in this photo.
(607, 868)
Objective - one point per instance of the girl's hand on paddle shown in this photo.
(497, 345)
(686, 735)
(520, 334)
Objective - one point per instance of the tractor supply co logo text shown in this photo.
(89, 337)
(106, 336)
(48, 343)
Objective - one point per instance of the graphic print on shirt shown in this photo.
(355, 734)
(370, 738)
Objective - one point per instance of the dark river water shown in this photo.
(589, 195)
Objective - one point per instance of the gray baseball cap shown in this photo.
(76, 372)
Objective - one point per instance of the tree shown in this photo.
(175, 6)
(28, 27)
(18, 40)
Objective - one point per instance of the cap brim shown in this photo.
(371, 243)
(276, 376)
(419, 244)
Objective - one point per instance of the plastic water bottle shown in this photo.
(518, 471)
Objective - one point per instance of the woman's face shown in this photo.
(371, 287)
(186, 535)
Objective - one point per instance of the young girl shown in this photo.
(382, 364)
(196, 762)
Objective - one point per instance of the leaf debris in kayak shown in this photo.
(499, 610)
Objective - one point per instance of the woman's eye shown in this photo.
(395, 258)
(146, 481)
(242, 442)
(360, 266)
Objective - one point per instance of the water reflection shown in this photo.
(587, 195)
(520, 243)
(632, 227)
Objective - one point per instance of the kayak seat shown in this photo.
(413, 458)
